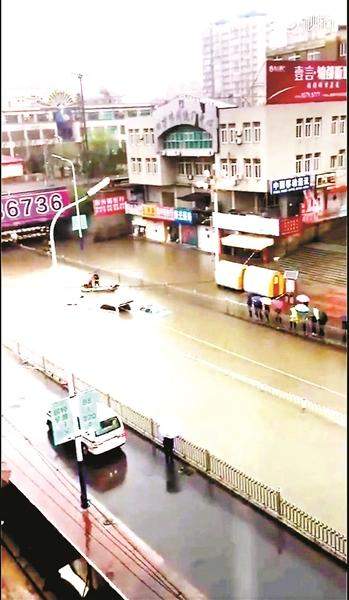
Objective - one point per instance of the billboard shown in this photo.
(293, 81)
(27, 208)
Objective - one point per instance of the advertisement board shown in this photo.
(246, 223)
(290, 184)
(36, 206)
(290, 81)
(109, 203)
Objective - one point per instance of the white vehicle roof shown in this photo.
(106, 412)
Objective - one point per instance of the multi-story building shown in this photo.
(234, 54)
(275, 168)
(331, 46)
(26, 128)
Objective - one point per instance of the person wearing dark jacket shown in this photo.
(322, 320)
(258, 306)
(344, 327)
(249, 304)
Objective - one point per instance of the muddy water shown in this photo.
(165, 368)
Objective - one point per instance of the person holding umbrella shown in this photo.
(249, 304)
(266, 302)
(257, 303)
(302, 312)
(277, 306)
(293, 318)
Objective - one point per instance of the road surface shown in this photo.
(183, 366)
(222, 545)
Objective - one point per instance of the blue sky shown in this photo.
(140, 48)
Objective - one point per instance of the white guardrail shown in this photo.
(255, 492)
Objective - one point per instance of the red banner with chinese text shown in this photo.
(293, 81)
(109, 203)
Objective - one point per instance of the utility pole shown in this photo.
(80, 76)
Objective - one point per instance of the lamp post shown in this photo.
(210, 184)
(74, 185)
(80, 76)
(91, 192)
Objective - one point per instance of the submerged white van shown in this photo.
(109, 434)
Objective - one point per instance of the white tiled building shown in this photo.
(234, 56)
(264, 161)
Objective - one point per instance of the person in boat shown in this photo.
(95, 280)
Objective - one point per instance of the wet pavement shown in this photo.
(171, 367)
(222, 545)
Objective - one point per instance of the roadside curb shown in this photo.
(227, 306)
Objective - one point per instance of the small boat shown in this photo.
(99, 288)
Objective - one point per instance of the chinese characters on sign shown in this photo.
(109, 203)
(62, 422)
(165, 213)
(39, 206)
(88, 409)
(323, 180)
(183, 215)
(290, 184)
(306, 81)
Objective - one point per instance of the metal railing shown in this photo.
(255, 492)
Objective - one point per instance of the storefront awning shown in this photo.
(195, 196)
(250, 242)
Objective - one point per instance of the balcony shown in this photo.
(187, 141)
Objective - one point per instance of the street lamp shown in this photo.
(74, 185)
(91, 192)
(80, 76)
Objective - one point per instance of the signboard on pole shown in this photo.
(62, 422)
(293, 81)
(88, 409)
(79, 220)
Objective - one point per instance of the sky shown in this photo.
(139, 49)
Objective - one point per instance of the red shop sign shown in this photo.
(293, 81)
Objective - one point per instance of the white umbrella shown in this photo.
(302, 308)
(302, 298)
(169, 429)
(266, 301)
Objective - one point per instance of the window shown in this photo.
(343, 48)
(307, 130)
(188, 169)
(316, 161)
(257, 168)
(232, 132)
(224, 168)
(155, 165)
(299, 128)
(307, 163)
(334, 124)
(233, 164)
(299, 163)
(11, 119)
(139, 165)
(136, 136)
(341, 158)
(181, 168)
(152, 139)
(342, 122)
(42, 117)
(147, 165)
(314, 55)
(248, 167)
(133, 165)
(5, 136)
(146, 136)
(131, 113)
(49, 134)
(224, 137)
(317, 126)
(256, 131)
(107, 426)
(131, 136)
(294, 56)
(246, 129)
(92, 116)
(122, 129)
(199, 168)
(333, 162)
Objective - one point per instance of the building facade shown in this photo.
(34, 127)
(234, 54)
(274, 168)
(328, 46)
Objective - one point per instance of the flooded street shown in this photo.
(184, 366)
(223, 545)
